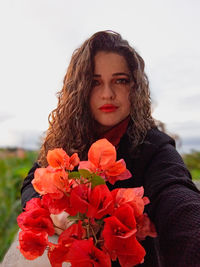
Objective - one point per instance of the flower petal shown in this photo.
(32, 244)
(100, 202)
(145, 227)
(73, 161)
(57, 158)
(102, 154)
(116, 169)
(57, 254)
(47, 180)
(135, 258)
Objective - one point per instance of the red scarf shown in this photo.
(115, 134)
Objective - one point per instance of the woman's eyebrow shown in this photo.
(114, 74)
(121, 73)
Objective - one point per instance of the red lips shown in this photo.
(108, 108)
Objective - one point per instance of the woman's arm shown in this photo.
(174, 208)
(27, 190)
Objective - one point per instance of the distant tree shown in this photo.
(162, 126)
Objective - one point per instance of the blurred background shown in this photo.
(38, 38)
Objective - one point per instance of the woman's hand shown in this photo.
(60, 222)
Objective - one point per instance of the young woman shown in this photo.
(106, 94)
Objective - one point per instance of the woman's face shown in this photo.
(109, 98)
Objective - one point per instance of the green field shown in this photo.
(192, 161)
(14, 168)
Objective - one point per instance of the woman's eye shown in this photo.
(122, 81)
(95, 83)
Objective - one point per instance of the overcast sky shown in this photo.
(39, 36)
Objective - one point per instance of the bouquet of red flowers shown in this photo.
(107, 225)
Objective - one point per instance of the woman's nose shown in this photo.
(108, 92)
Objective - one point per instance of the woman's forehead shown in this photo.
(109, 62)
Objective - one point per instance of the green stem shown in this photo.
(93, 233)
(88, 231)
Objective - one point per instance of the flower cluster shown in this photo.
(107, 225)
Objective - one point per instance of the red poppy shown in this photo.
(100, 202)
(58, 158)
(102, 160)
(32, 244)
(37, 220)
(83, 253)
(133, 197)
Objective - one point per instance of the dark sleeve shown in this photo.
(174, 208)
(27, 190)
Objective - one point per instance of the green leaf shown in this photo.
(85, 173)
(97, 180)
(75, 175)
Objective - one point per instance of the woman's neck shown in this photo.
(115, 133)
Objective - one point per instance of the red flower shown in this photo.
(133, 197)
(54, 178)
(34, 203)
(119, 176)
(58, 158)
(37, 219)
(119, 228)
(100, 202)
(74, 232)
(73, 161)
(57, 254)
(55, 206)
(102, 160)
(79, 199)
(48, 180)
(83, 253)
(115, 236)
(145, 227)
(119, 236)
(32, 244)
(137, 256)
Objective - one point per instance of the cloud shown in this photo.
(189, 134)
(190, 102)
(26, 139)
(30, 139)
(4, 116)
(185, 129)
(190, 144)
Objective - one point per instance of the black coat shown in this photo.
(174, 199)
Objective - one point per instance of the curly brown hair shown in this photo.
(71, 124)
